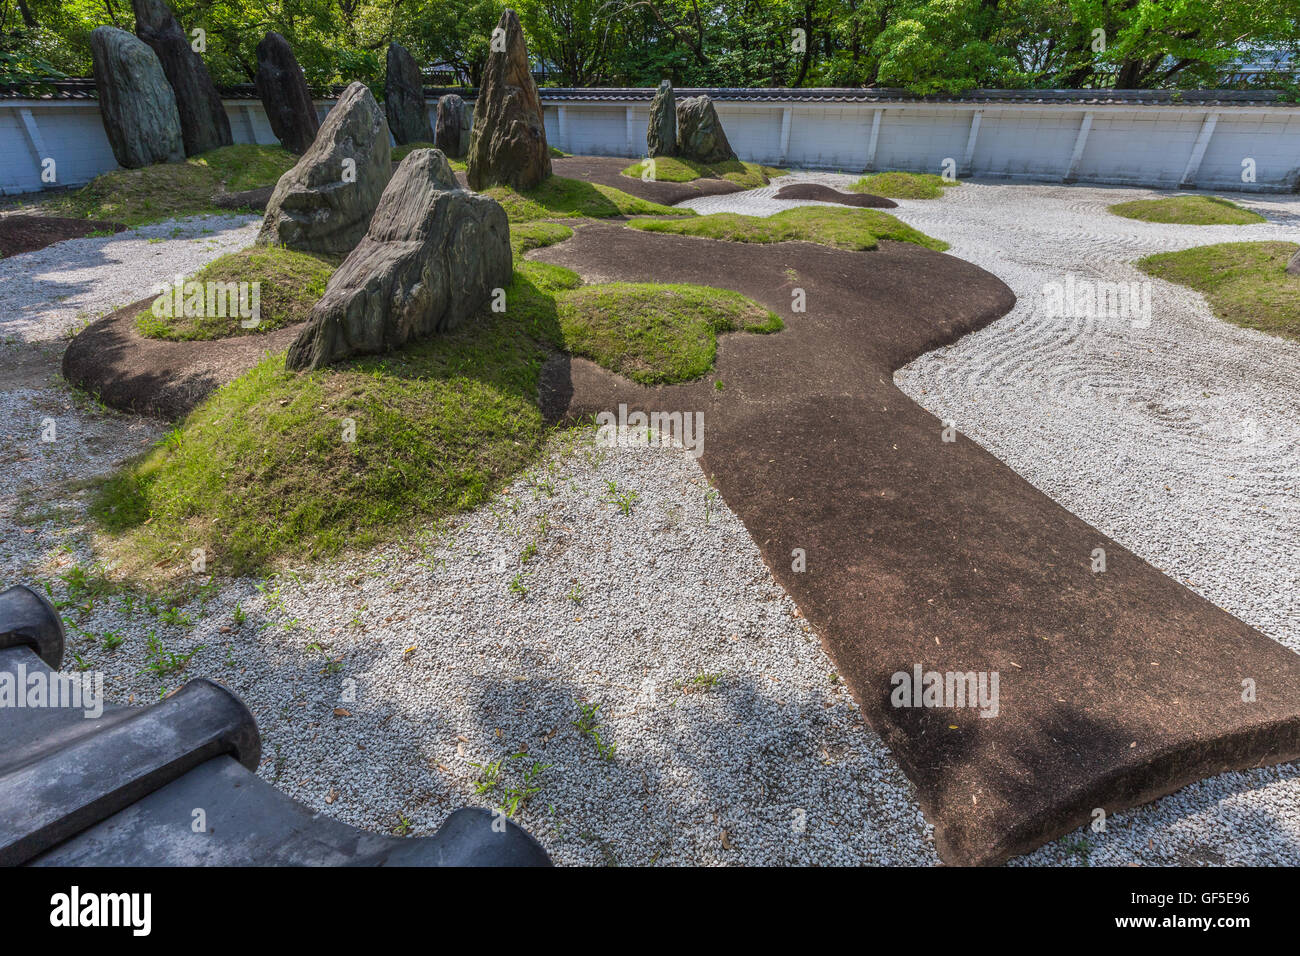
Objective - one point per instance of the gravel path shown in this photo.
(381, 680)
(59, 289)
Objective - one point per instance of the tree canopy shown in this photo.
(927, 46)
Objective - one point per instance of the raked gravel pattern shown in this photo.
(379, 681)
(61, 288)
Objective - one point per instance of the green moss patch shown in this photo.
(169, 190)
(673, 169)
(1188, 211)
(857, 229)
(656, 334)
(1246, 283)
(560, 198)
(900, 185)
(288, 284)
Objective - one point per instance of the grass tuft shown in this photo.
(840, 228)
(1246, 283)
(900, 185)
(1188, 211)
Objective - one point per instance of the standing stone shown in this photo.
(661, 135)
(699, 132)
(285, 97)
(136, 103)
(1293, 266)
(408, 114)
(325, 202)
(508, 144)
(453, 131)
(431, 259)
(204, 123)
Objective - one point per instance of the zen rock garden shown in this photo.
(645, 500)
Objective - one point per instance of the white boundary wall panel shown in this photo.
(829, 137)
(918, 139)
(1198, 145)
(1267, 138)
(1020, 145)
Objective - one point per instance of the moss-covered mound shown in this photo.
(169, 190)
(674, 169)
(900, 185)
(1188, 211)
(857, 229)
(562, 198)
(277, 464)
(1246, 283)
(279, 285)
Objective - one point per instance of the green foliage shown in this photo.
(1246, 283)
(928, 46)
(857, 229)
(1188, 211)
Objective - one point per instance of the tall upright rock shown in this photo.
(136, 103)
(699, 132)
(508, 144)
(283, 90)
(408, 114)
(1293, 264)
(204, 123)
(325, 202)
(661, 134)
(430, 261)
(452, 134)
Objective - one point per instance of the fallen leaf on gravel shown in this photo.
(726, 840)
(342, 712)
(331, 796)
(29, 530)
(462, 738)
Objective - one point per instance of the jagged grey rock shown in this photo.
(1293, 266)
(136, 103)
(661, 134)
(453, 126)
(699, 132)
(285, 97)
(204, 123)
(325, 202)
(508, 143)
(408, 114)
(431, 259)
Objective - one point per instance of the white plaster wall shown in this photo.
(1130, 145)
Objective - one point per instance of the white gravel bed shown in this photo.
(63, 287)
(734, 741)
